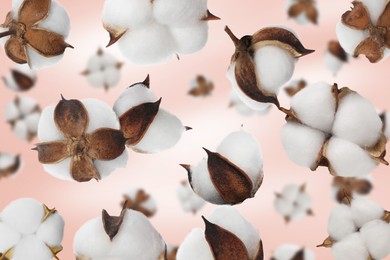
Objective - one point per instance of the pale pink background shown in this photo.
(160, 174)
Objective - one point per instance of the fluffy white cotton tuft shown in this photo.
(37, 61)
(190, 39)
(332, 62)
(96, 79)
(32, 122)
(51, 231)
(340, 223)
(100, 115)
(195, 247)
(132, 97)
(374, 8)
(284, 206)
(31, 248)
(189, 200)
(6, 160)
(20, 130)
(376, 236)
(8, 237)
(364, 210)
(26, 105)
(112, 76)
(47, 130)
(57, 21)
(351, 247)
(349, 38)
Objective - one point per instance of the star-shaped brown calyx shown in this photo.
(25, 32)
(136, 203)
(71, 119)
(379, 34)
(304, 6)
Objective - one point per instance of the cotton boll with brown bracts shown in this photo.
(242, 108)
(189, 200)
(128, 236)
(295, 86)
(335, 57)
(21, 78)
(292, 252)
(201, 86)
(23, 115)
(147, 128)
(230, 175)
(9, 165)
(344, 186)
(293, 203)
(137, 199)
(30, 230)
(103, 70)
(89, 147)
(37, 32)
(303, 11)
(227, 236)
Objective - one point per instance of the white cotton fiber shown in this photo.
(303, 201)
(274, 67)
(32, 121)
(51, 231)
(11, 111)
(37, 61)
(349, 38)
(6, 160)
(95, 63)
(302, 144)
(364, 210)
(348, 159)
(189, 200)
(15, 8)
(179, 12)
(241, 107)
(283, 206)
(230, 219)
(340, 223)
(195, 247)
(100, 115)
(132, 97)
(23, 215)
(112, 76)
(374, 8)
(126, 14)
(11, 83)
(190, 39)
(291, 192)
(301, 19)
(20, 130)
(242, 149)
(8, 237)
(357, 121)
(332, 62)
(105, 168)
(57, 21)
(26, 105)
(47, 130)
(351, 247)
(96, 79)
(108, 60)
(59, 170)
(163, 133)
(31, 248)
(376, 236)
(150, 44)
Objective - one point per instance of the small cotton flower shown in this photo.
(201, 87)
(295, 86)
(335, 57)
(9, 164)
(36, 32)
(303, 11)
(139, 200)
(292, 252)
(23, 115)
(21, 78)
(30, 230)
(189, 200)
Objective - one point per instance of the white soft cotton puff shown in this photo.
(59, 170)
(32, 121)
(31, 247)
(376, 236)
(349, 38)
(274, 67)
(132, 97)
(202, 184)
(195, 247)
(304, 202)
(351, 247)
(8, 237)
(108, 60)
(242, 149)
(20, 130)
(127, 14)
(230, 219)
(51, 231)
(94, 63)
(364, 210)
(37, 61)
(179, 12)
(24, 215)
(302, 144)
(100, 115)
(189, 200)
(96, 79)
(357, 121)
(11, 111)
(57, 21)
(26, 105)
(6, 160)
(47, 129)
(283, 206)
(15, 8)
(105, 168)
(163, 133)
(348, 159)
(190, 39)
(149, 204)
(150, 44)
(332, 62)
(340, 223)
(241, 107)
(375, 8)
(290, 192)
(315, 106)
(112, 76)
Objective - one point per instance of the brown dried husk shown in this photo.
(23, 81)
(292, 91)
(112, 224)
(335, 48)
(304, 6)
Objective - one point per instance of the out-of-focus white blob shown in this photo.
(289, 251)
(242, 108)
(189, 200)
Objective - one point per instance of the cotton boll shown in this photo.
(105, 168)
(112, 76)
(51, 231)
(357, 121)
(195, 247)
(47, 130)
(163, 133)
(333, 63)
(95, 63)
(132, 97)
(108, 60)
(315, 106)
(57, 20)
(374, 8)
(31, 248)
(190, 39)
(349, 38)
(348, 159)
(340, 223)
(8, 237)
(96, 79)
(303, 201)
(274, 67)
(376, 236)
(37, 61)
(151, 44)
(351, 247)
(364, 210)
(302, 144)
(100, 115)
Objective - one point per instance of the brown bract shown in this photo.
(72, 119)
(245, 70)
(335, 48)
(203, 88)
(291, 91)
(12, 169)
(304, 6)
(379, 34)
(112, 224)
(25, 32)
(136, 204)
(23, 81)
(348, 186)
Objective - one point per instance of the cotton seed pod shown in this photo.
(147, 128)
(201, 87)
(139, 200)
(230, 175)
(81, 140)
(242, 108)
(295, 86)
(293, 203)
(343, 186)
(103, 70)
(35, 32)
(335, 128)
(365, 29)
(21, 78)
(335, 57)
(227, 236)
(23, 115)
(30, 230)
(189, 200)
(262, 63)
(9, 164)
(127, 236)
(303, 11)
(292, 252)
(149, 32)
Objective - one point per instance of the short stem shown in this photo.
(232, 36)
(7, 33)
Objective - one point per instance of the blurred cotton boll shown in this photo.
(137, 199)
(21, 78)
(189, 200)
(9, 164)
(292, 252)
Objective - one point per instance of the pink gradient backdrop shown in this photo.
(210, 118)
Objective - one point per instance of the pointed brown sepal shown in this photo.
(210, 17)
(85, 72)
(47, 213)
(363, 187)
(260, 252)
(7, 255)
(136, 121)
(328, 243)
(287, 219)
(83, 170)
(55, 250)
(312, 14)
(106, 144)
(310, 212)
(146, 82)
(8, 20)
(296, 9)
(136, 204)
(115, 34)
(300, 255)
(223, 243)
(52, 152)
(232, 183)
(234, 38)
(371, 49)
(112, 224)
(358, 18)
(172, 254)
(187, 167)
(23, 81)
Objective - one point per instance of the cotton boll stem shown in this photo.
(7, 33)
